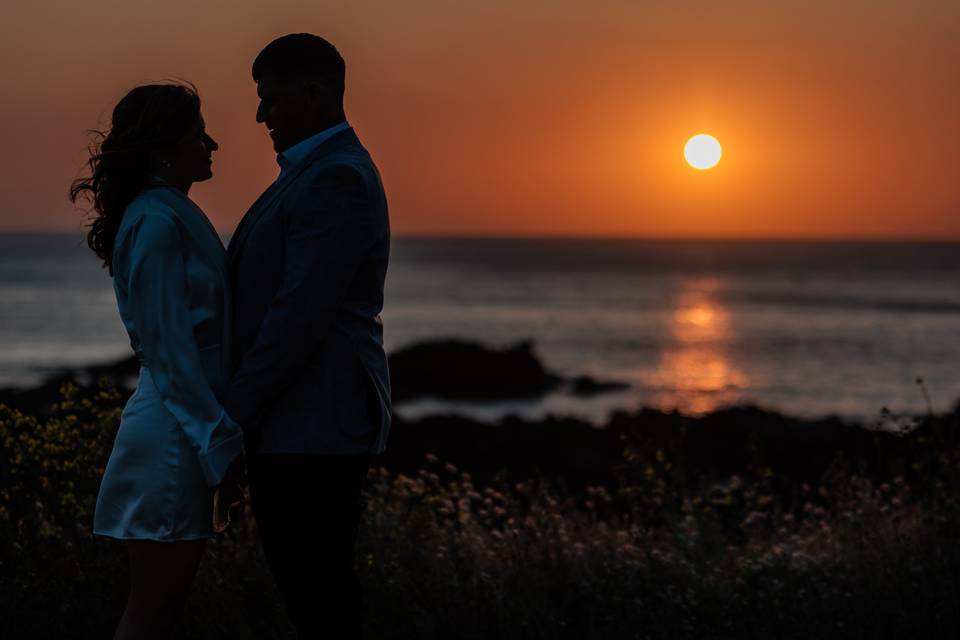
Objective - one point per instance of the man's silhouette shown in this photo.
(311, 387)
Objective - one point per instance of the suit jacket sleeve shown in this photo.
(157, 293)
(328, 235)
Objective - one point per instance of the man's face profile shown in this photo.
(284, 108)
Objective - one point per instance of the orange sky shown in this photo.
(838, 119)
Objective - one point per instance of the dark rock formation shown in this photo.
(467, 371)
(585, 386)
(458, 370)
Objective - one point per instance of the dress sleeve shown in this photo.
(157, 296)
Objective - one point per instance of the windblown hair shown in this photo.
(301, 56)
(150, 118)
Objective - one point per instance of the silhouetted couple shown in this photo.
(272, 349)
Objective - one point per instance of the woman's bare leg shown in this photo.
(160, 577)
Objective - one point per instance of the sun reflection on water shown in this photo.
(696, 373)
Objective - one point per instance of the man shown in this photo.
(311, 387)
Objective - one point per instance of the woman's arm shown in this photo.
(156, 281)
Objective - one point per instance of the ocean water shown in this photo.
(810, 329)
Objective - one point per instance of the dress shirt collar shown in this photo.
(299, 151)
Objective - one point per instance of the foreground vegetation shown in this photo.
(667, 551)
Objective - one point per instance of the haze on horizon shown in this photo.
(838, 120)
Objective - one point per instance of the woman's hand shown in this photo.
(228, 495)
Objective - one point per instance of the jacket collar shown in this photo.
(331, 145)
(297, 152)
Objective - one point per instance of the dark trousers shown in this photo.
(308, 511)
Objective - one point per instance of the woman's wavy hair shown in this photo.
(150, 118)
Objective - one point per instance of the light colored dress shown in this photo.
(175, 440)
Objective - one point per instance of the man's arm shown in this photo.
(327, 237)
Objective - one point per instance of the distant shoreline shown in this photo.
(728, 240)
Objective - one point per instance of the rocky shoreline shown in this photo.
(573, 453)
(445, 369)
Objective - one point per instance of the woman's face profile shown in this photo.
(192, 157)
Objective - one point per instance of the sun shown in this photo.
(702, 151)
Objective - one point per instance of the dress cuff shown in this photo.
(217, 459)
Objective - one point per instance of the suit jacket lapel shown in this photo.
(268, 197)
(240, 234)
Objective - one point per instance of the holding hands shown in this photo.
(228, 497)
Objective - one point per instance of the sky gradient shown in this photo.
(838, 119)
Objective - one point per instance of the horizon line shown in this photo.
(865, 239)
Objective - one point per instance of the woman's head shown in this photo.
(155, 130)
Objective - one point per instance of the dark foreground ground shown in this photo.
(740, 523)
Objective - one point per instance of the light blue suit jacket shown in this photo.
(170, 279)
(308, 264)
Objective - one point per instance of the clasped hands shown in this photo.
(228, 496)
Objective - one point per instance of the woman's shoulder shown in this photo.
(149, 216)
(150, 201)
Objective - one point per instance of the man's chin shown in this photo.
(278, 145)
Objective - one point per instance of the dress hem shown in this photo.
(153, 538)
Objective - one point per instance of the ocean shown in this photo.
(807, 328)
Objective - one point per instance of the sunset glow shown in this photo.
(697, 372)
(488, 122)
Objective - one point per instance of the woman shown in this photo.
(175, 443)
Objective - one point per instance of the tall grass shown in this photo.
(658, 556)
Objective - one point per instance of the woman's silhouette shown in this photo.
(175, 443)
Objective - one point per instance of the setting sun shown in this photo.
(702, 151)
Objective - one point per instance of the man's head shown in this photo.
(300, 81)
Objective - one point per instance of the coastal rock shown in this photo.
(585, 386)
(460, 370)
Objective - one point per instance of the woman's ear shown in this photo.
(158, 160)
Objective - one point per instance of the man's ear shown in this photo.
(317, 93)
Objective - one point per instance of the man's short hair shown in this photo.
(301, 56)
